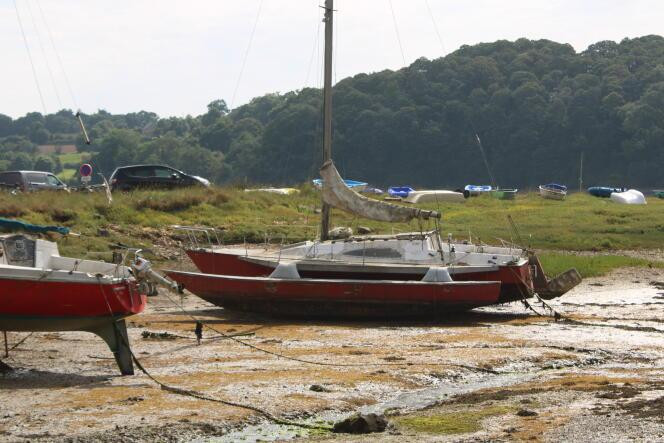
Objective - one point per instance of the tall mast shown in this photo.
(327, 110)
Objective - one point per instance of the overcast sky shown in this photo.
(173, 57)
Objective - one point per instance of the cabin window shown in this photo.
(374, 252)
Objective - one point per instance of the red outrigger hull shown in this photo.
(43, 305)
(56, 305)
(338, 298)
(516, 280)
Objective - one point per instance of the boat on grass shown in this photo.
(659, 193)
(604, 191)
(399, 191)
(353, 184)
(629, 197)
(504, 194)
(476, 190)
(435, 196)
(553, 191)
(43, 291)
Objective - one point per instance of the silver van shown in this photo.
(30, 181)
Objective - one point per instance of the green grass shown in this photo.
(75, 157)
(460, 422)
(67, 174)
(581, 223)
(592, 266)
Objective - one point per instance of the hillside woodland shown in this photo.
(536, 105)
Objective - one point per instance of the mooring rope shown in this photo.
(320, 363)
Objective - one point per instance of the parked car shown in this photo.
(126, 178)
(31, 181)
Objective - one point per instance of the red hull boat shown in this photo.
(42, 291)
(516, 279)
(323, 298)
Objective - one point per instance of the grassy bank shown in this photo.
(142, 218)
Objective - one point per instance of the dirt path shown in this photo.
(498, 373)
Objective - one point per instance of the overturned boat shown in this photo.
(42, 291)
(553, 191)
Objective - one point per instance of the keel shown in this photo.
(115, 336)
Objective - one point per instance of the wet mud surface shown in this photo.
(494, 374)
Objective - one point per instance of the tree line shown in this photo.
(537, 106)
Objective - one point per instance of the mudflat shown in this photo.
(500, 373)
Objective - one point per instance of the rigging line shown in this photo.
(435, 26)
(246, 53)
(396, 30)
(486, 162)
(57, 55)
(32, 64)
(313, 50)
(43, 51)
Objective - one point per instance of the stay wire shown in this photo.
(32, 64)
(246, 53)
(43, 51)
(396, 30)
(435, 26)
(57, 55)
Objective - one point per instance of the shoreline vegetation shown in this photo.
(589, 233)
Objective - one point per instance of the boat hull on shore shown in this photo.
(345, 299)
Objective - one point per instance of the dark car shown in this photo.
(126, 178)
(30, 181)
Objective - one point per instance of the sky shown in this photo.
(173, 57)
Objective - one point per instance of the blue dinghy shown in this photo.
(399, 191)
(476, 190)
(604, 191)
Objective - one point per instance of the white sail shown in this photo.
(340, 196)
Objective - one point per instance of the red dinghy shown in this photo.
(290, 295)
(42, 291)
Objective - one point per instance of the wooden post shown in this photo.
(327, 110)
(4, 333)
(581, 174)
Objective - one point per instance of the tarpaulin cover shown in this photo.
(13, 225)
(338, 195)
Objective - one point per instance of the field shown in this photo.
(70, 159)
(565, 231)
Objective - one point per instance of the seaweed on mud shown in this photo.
(653, 409)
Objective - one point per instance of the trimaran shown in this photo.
(404, 275)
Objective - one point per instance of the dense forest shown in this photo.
(536, 105)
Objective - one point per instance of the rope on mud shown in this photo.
(198, 395)
(320, 363)
(21, 342)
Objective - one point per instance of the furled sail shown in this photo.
(338, 195)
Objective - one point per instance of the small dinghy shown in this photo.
(355, 185)
(629, 197)
(435, 196)
(659, 193)
(476, 190)
(504, 194)
(399, 191)
(553, 191)
(604, 191)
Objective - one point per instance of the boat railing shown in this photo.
(199, 237)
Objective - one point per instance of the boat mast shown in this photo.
(327, 111)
